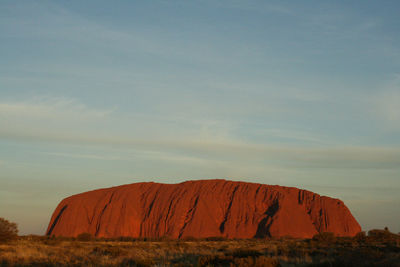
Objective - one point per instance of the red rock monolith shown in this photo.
(205, 208)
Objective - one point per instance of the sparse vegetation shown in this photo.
(8, 230)
(378, 248)
(85, 237)
(325, 237)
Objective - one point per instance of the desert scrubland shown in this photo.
(377, 248)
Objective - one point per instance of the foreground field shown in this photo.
(323, 251)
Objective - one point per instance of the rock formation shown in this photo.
(205, 208)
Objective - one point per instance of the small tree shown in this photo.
(8, 230)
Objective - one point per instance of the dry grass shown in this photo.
(45, 251)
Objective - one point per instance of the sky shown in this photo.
(96, 94)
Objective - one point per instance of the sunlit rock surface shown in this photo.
(204, 208)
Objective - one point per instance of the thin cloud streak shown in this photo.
(62, 120)
(81, 156)
(142, 154)
(384, 105)
(49, 108)
(295, 157)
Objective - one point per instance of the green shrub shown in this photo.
(8, 230)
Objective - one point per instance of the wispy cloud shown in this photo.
(46, 107)
(66, 120)
(54, 118)
(384, 105)
(132, 155)
(81, 156)
(389, 106)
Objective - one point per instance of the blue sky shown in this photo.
(98, 94)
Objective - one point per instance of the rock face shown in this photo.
(205, 208)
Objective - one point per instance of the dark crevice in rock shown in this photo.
(228, 210)
(301, 197)
(189, 216)
(263, 229)
(167, 215)
(56, 220)
(102, 213)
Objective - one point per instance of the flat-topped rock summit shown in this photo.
(203, 208)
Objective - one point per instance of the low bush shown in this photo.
(325, 237)
(377, 235)
(8, 230)
(137, 262)
(85, 237)
(112, 251)
(215, 260)
(261, 261)
(125, 239)
(189, 238)
(244, 253)
(249, 261)
(215, 238)
(360, 237)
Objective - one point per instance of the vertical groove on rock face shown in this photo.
(258, 189)
(301, 197)
(56, 220)
(319, 228)
(101, 214)
(189, 216)
(266, 222)
(146, 196)
(228, 210)
(167, 215)
(90, 220)
(147, 214)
